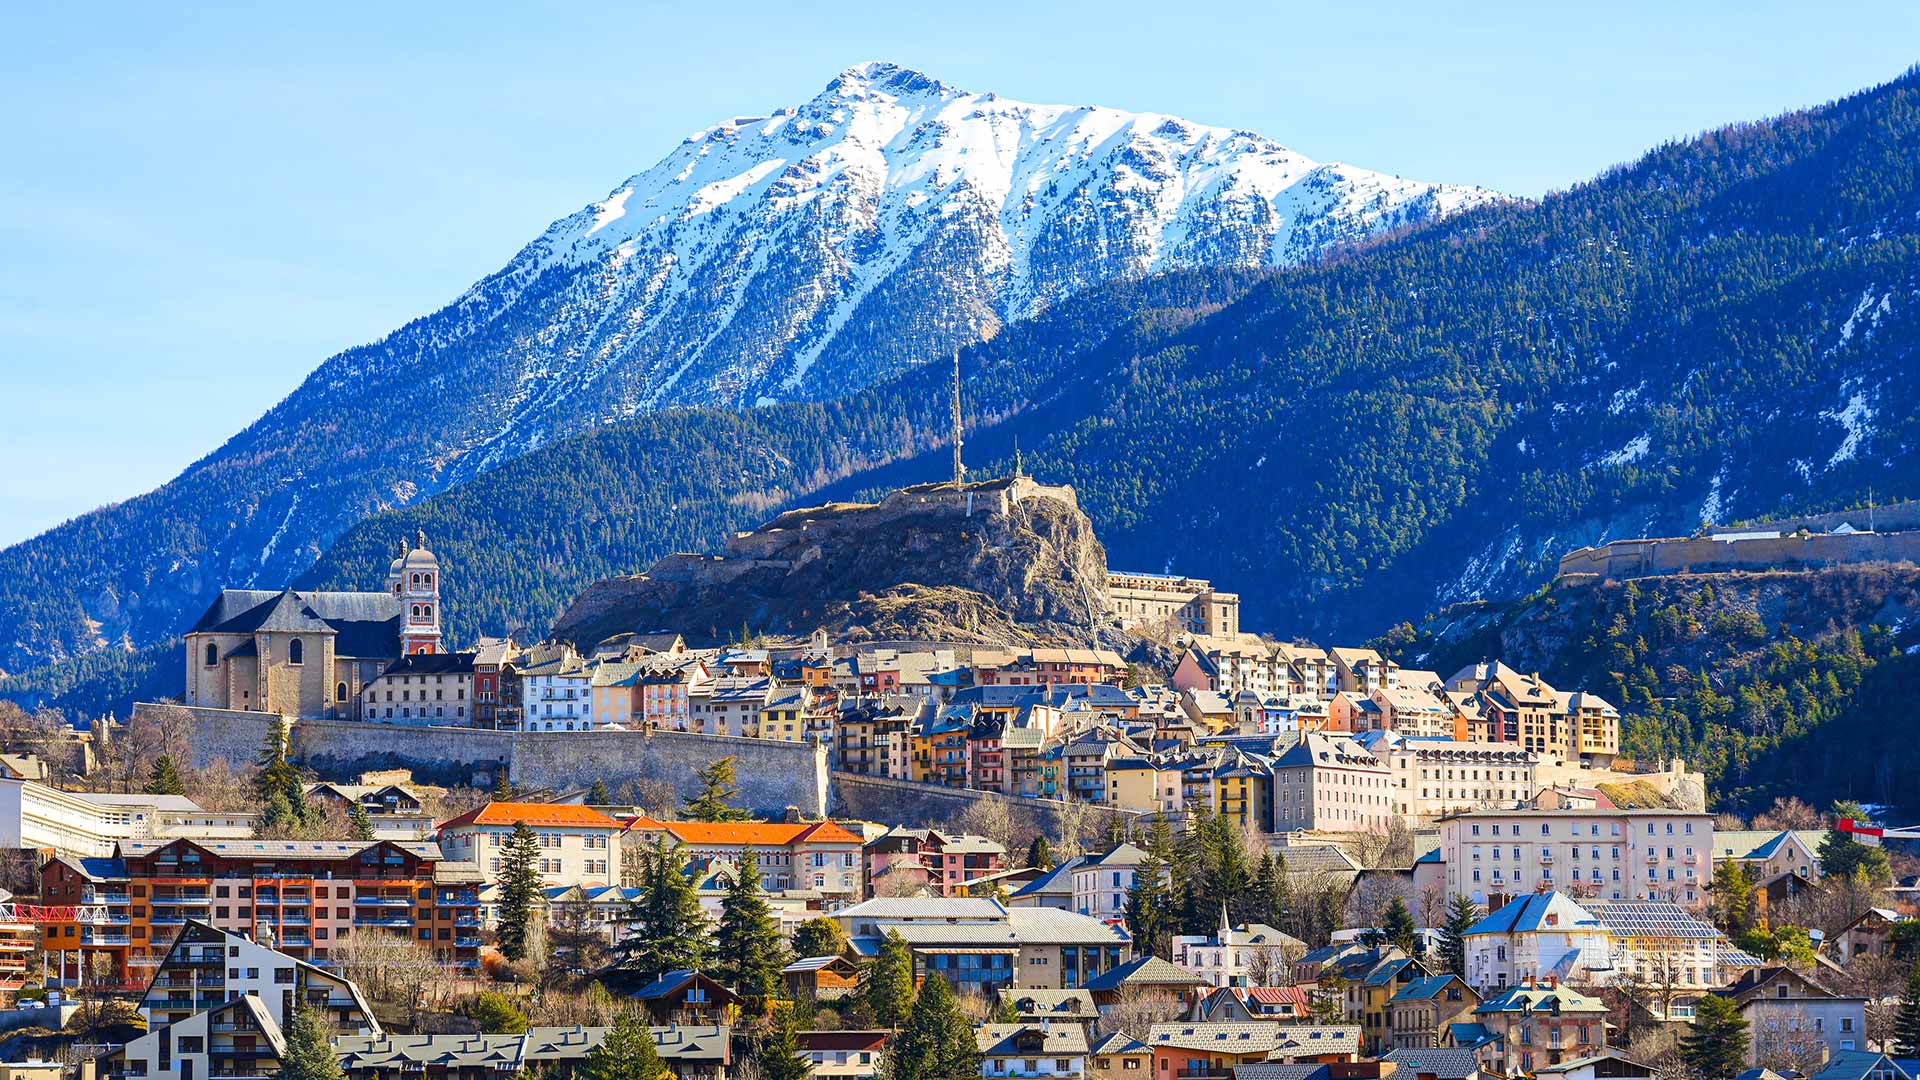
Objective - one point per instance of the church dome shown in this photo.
(420, 558)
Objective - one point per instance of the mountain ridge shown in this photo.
(890, 220)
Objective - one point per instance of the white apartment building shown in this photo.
(207, 966)
(578, 844)
(729, 705)
(1655, 854)
(1435, 777)
(1101, 883)
(556, 693)
(1661, 944)
(85, 825)
(1252, 955)
(1534, 938)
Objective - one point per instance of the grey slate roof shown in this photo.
(1145, 971)
(365, 624)
(1447, 1063)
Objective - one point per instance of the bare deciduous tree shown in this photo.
(991, 818)
(1137, 1010)
(1274, 966)
(393, 969)
(1790, 812)
(1789, 1046)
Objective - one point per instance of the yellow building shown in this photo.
(1143, 785)
(1243, 791)
(1120, 1056)
(783, 719)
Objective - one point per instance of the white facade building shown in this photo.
(1491, 855)
(1537, 937)
(1101, 884)
(578, 844)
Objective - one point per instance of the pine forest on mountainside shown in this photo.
(1721, 330)
(803, 255)
(1772, 684)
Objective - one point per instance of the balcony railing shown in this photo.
(397, 921)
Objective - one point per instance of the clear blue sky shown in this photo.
(198, 205)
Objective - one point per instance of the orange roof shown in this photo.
(747, 833)
(535, 814)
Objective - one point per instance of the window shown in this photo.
(213, 654)
(296, 652)
(340, 692)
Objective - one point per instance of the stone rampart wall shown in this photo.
(1643, 558)
(772, 775)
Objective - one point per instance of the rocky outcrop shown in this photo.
(1001, 561)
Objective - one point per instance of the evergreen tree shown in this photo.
(718, 789)
(819, 936)
(502, 787)
(1400, 929)
(627, 1052)
(165, 777)
(1714, 1045)
(1841, 854)
(359, 823)
(886, 983)
(1187, 877)
(597, 795)
(496, 1014)
(938, 1042)
(667, 930)
(1733, 903)
(779, 1057)
(309, 1054)
(1228, 876)
(274, 814)
(748, 950)
(1266, 890)
(520, 882)
(1462, 913)
(1280, 903)
(1906, 1023)
(278, 776)
(1150, 902)
(1039, 854)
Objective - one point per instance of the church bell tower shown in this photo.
(420, 600)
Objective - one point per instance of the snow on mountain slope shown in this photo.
(885, 222)
(805, 254)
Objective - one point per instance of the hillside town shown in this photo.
(1248, 859)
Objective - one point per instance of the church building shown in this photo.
(309, 654)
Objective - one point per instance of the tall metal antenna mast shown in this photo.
(959, 471)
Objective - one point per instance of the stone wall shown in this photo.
(1643, 558)
(772, 775)
(902, 802)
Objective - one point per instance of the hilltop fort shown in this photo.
(1008, 559)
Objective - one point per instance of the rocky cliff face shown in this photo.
(1032, 572)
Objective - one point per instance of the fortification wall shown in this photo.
(772, 775)
(902, 802)
(1642, 558)
(1897, 517)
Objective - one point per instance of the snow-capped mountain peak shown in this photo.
(894, 217)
